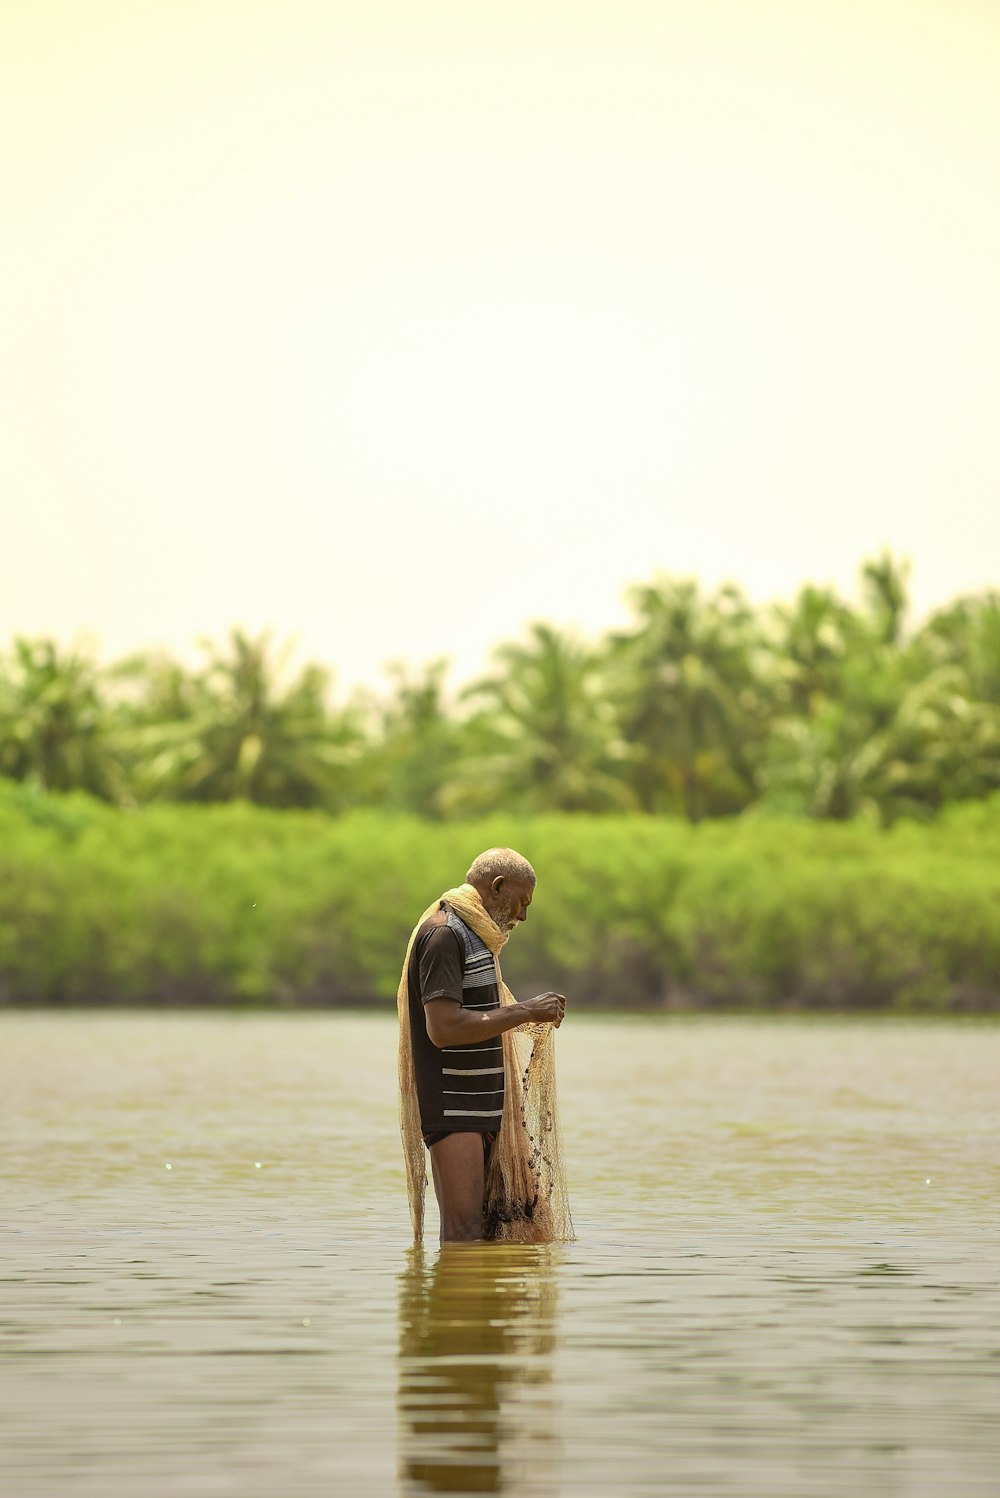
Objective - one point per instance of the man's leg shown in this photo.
(459, 1182)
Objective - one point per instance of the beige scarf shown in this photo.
(525, 1198)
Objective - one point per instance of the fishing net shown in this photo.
(525, 1196)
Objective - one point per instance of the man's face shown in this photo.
(508, 901)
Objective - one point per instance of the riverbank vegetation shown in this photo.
(703, 707)
(727, 805)
(176, 904)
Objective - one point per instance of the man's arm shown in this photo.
(448, 1023)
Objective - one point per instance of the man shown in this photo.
(452, 1022)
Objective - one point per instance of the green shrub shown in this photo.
(234, 904)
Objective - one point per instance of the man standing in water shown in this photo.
(456, 1020)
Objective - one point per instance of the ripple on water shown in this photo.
(785, 1280)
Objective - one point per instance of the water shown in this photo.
(787, 1279)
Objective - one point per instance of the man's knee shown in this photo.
(462, 1229)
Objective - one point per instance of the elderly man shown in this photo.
(452, 1021)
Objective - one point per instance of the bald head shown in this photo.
(506, 882)
(500, 862)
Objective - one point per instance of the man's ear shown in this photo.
(495, 886)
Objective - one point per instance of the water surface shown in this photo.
(787, 1278)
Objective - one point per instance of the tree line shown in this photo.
(704, 706)
(240, 904)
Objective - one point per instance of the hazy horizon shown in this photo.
(395, 327)
(290, 646)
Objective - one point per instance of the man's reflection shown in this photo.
(476, 1333)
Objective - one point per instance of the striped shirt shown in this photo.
(460, 1088)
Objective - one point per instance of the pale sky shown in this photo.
(396, 326)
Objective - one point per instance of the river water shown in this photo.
(786, 1279)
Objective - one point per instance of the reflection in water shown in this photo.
(476, 1335)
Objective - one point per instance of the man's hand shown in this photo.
(545, 1009)
(449, 1024)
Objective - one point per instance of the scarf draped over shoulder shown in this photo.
(525, 1197)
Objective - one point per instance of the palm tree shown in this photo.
(942, 745)
(55, 726)
(545, 736)
(885, 589)
(419, 742)
(838, 677)
(231, 731)
(811, 640)
(688, 696)
(966, 634)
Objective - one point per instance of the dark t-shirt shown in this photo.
(460, 1088)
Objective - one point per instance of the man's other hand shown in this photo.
(545, 1009)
